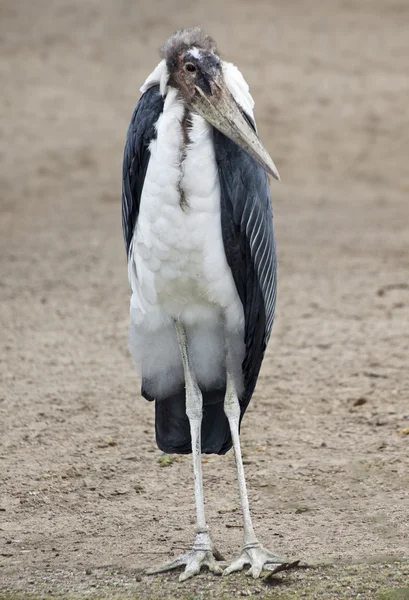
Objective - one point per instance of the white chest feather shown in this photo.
(179, 266)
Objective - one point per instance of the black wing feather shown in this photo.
(141, 132)
(248, 237)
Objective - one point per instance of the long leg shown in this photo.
(253, 552)
(202, 551)
(194, 411)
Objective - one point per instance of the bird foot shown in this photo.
(201, 555)
(255, 555)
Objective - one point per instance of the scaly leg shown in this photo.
(253, 553)
(202, 551)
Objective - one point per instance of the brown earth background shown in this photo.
(85, 505)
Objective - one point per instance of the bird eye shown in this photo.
(190, 67)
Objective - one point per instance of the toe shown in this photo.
(174, 564)
(255, 569)
(189, 572)
(276, 560)
(214, 568)
(237, 565)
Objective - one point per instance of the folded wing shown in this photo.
(248, 237)
(136, 158)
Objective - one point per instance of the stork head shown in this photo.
(196, 70)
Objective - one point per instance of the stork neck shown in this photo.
(186, 125)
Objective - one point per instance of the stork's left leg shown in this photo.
(253, 553)
(202, 552)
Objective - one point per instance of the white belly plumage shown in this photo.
(178, 267)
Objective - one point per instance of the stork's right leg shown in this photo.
(202, 551)
(253, 553)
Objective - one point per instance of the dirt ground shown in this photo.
(85, 504)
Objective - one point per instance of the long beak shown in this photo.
(222, 111)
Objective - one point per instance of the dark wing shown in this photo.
(136, 157)
(248, 237)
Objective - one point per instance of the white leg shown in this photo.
(253, 552)
(194, 408)
(202, 551)
(232, 411)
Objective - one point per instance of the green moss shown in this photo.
(165, 460)
(397, 594)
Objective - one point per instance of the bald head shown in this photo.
(182, 41)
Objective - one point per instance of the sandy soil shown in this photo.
(85, 505)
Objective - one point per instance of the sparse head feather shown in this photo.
(184, 39)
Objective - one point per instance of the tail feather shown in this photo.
(173, 429)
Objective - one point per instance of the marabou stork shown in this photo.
(198, 229)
